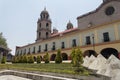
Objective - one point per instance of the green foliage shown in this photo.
(77, 58)
(3, 40)
(30, 59)
(38, 59)
(72, 55)
(15, 59)
(25, 59)
(3, 60)
(46, 58)
(58, 58)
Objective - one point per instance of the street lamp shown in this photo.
(93, 38)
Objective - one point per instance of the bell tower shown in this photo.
(43, 26)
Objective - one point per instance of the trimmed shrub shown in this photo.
(3, 60)
(30, 59)
(46, 58)
(25, 59)
(72, 55)
(58, 58)
(77, 58)
(38, 59)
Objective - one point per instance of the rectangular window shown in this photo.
(74, 43)
(39, 50)
(29, 51)
(88, 41)
(25, 51)
(21, 52)
(53, 48)
(46, 47)
(106, 37)
(33, 49)
(63, 45)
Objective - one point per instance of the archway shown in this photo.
(64, 56)
(53, 57)
(35, 59)
(108, 51)
(89, 53)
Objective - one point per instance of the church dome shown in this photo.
(44, 14)
(69, 25)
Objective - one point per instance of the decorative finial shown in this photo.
(69, 21)
(45, 8)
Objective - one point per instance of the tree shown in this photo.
(38, 59)
(58, 58)
(46, 58)
(30, 59)
(3, 41)
(25, 59)
(77, 58)
(72, 55)
(3, 60)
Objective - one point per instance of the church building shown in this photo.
(97, 32)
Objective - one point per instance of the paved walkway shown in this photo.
(11, 77)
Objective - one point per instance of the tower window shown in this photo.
(46, 34)
(106, 37)
(39, 34)
(40, 25)
(47, 25)
(88, 40)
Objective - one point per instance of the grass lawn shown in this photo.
(65, 68)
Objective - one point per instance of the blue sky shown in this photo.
(18, 18)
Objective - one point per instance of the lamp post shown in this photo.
(93, 38)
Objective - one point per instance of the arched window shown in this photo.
(40, 25)
(47, 25)
(46, 34)
(39, 34)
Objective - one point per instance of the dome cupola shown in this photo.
(44, 14)
(69, 25)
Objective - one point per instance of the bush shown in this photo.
(58, 58)
(38, 59)
(30, 59)
(77, 58)
(72, 55)
(3, 60)
(46, 58)
(25, 59)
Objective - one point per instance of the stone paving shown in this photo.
(11, 77)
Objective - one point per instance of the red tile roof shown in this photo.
(64, 32)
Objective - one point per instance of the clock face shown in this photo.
(109, 10)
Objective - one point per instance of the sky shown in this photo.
(18, 18)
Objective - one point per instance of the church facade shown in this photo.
(98, 32)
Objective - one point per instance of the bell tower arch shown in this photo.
(43, 26)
